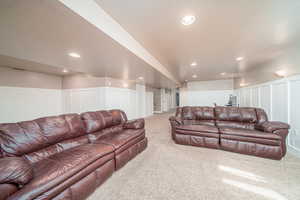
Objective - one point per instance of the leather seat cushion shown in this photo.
(199, 128)
(250, 139)
(58, 168)
(249, 133)
(118, 140)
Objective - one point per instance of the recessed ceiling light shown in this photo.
(65, 71)
(239, 58)
(186, 80)
(281, 73)
(243, 84)
(141, 78)
(125, 85)
(223, 73)
(109, 83)
(194, 76)
(188, 20)
(193, 64)
(74, 55)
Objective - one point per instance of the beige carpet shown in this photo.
(166, 171)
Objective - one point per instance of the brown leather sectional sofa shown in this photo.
(241, 130)
(67, 156)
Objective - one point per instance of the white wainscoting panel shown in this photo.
(281, 100)
(149, 103)
(120, 98)
(265, 99)
(242, 98)
(255, 97)
(168, 99)
(183, 96)
(164, 101)
(141, 100)
(130, 101)
(237, 93)
(83, 100)
(21, 104)
(248, 97)
(294, 104)
(75, 104)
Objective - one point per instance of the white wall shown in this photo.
(208, 98)
(81, 100)
(281, 100)
(26, 95)
(173, 98)
(149, 103)
(21, 104)
(206, 93)
(157, 100)
(168, 99)
(164, 100)
(20, 101)
(141, 100)
(226, 84)
(135, 103)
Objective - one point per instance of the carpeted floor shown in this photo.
(167, 171)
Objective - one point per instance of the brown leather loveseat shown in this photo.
(241, 130)
(67, 156)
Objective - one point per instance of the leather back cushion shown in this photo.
(107, 131)
(198, 113)
(21, 138)
(187, 114)
(233, 117)
(41, 154)
(261, 115)
(118, 116)
(247, 115)
(96, 121)
(178, 112)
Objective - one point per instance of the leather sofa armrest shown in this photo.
(175, 120)
(134, 124)
(271, 127)
(15, 170)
